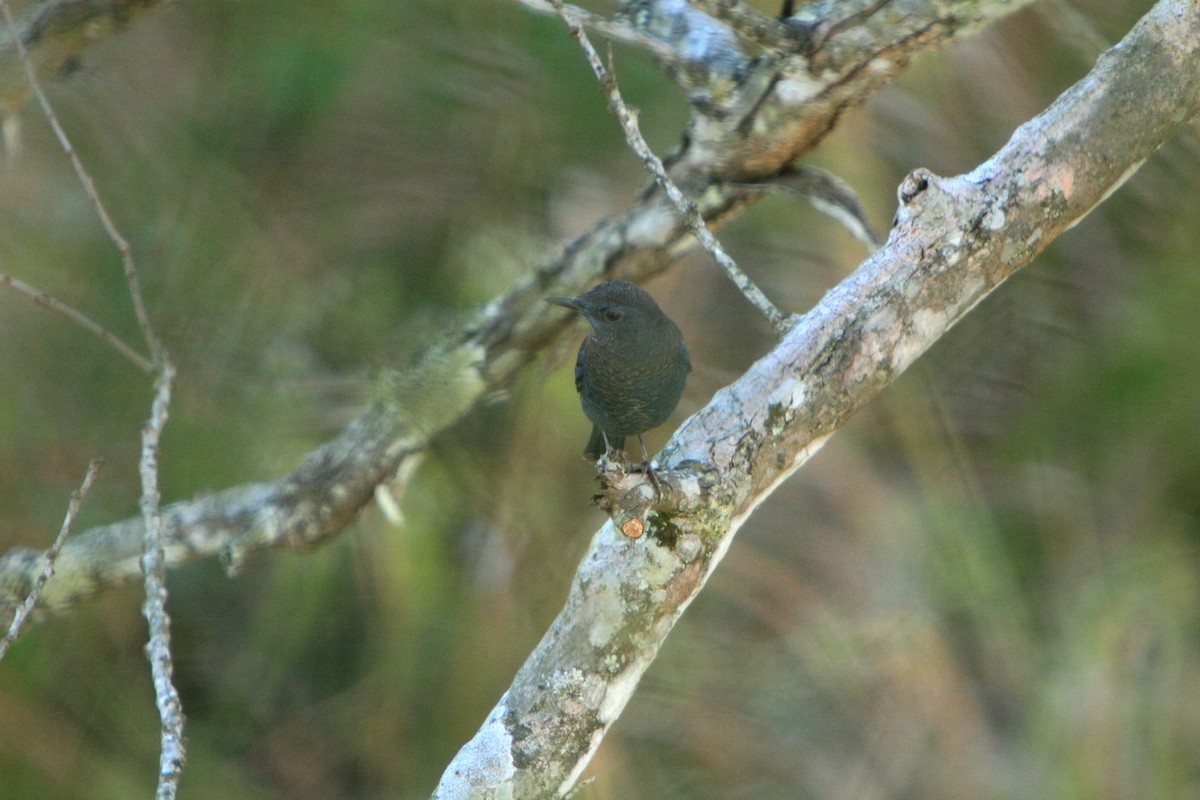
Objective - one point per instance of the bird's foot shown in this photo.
(649, 468)
(612, 461)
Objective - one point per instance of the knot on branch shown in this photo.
(940, 202)
(914, 185)
(930, 196)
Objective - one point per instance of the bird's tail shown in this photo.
(595, 446)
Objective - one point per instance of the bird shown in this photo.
(631, 367)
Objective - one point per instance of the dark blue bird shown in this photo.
(631, 368)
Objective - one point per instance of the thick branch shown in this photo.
(955, 240)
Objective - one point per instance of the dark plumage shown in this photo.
(632, 366)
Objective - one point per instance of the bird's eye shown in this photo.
(612, 315)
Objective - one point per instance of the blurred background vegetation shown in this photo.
(985, 587)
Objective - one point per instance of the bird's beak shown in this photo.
(567, 302)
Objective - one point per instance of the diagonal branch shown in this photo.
(79, 318)
(14, 629)
(955, 240)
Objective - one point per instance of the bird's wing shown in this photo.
(579, 371)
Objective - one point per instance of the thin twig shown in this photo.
(828, 193)
(79, 318)
(687, 209)
(24, 610)
(158, 648)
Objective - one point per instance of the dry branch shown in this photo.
(22, 612)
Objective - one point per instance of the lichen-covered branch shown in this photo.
(955, 240)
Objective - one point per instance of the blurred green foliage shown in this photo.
(985, 587)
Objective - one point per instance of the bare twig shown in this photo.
(687, 209)
(23, 610)
(158, 649)
(828, 193)
(52, 303)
